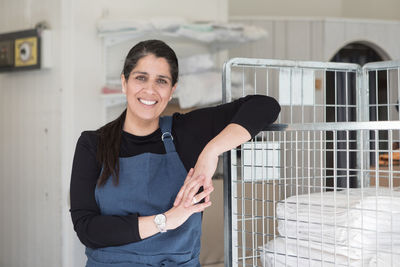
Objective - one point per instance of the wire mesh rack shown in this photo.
(320, 187)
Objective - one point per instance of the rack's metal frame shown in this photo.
(363, 107)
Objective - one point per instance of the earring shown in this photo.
(170, 98)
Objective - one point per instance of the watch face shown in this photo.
(160, 219)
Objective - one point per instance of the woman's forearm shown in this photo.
(147, 227)
(230, 137)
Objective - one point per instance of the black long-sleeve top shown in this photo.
(191, 132)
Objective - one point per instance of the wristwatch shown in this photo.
(160, 220)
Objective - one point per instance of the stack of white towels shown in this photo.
(355, 227)
(202, 87)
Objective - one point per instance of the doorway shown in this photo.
(341, 107)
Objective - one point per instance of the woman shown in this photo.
(135, 198)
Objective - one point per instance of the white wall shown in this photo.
(382, 36)
(316, 8)
(30, 162)
(189, 9)
(318, 39)
(43, 112)
(382, 9)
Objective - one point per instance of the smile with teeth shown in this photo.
(147, 102)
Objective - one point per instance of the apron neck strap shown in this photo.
(166, 125)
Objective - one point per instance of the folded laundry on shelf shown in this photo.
(374, 209)
(291, 252)
(356, 218)
(204, 88)
(353, 227)
(209, 31)
(348, 242)
(195, 64)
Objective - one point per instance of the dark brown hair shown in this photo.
(110, 134)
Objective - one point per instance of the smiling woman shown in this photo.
(140, 183)
(148, 89)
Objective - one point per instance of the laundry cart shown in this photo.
(319, 187)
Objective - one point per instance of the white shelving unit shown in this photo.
(116, 43)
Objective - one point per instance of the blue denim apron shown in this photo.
(148, 185)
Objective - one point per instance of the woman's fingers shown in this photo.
(204, 194)
(200, 207)
(189, 175)
(207, 184)
(191, 189)
(182, 190)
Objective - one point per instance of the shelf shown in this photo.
(188, 39)
(216, 35)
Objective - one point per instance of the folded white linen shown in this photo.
(199, 89)
(346, 205)
(292, 252)
(202, 89)
(342, 235)
(196, 64)
(200, 32)
(352, 242)
(206, 32)
(116, 25)
(243, 32)
(359, 220)
(368, 209)
(221, 32)
(167, 23)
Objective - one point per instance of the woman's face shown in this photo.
(148, 88)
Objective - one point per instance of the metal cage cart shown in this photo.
(319, 188)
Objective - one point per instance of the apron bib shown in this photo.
(148, 185)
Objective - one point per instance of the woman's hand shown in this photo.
(205, 167)
(178, 214)
(230, 137)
